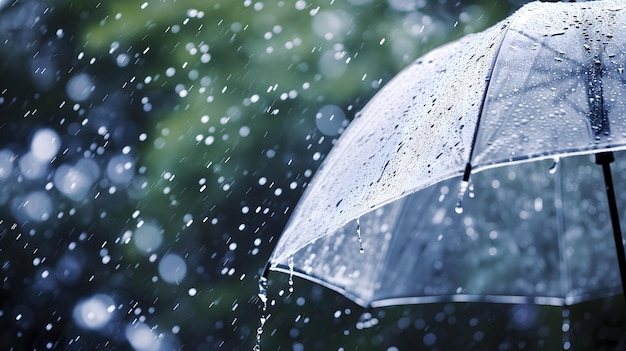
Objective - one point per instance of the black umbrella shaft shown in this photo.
(605, 159)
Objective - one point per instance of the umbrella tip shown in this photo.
(555, 165)
(605, 157)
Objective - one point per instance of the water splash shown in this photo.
(462, 190)
(555, 165)
(290, 263)
(264, 316)
(358, 233)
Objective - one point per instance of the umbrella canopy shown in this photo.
(545, 83)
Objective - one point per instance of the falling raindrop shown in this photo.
(358, 233)
(290, 263)
(263, 297)
(565, 328)
(366, 321)
(263, 292)
(555, 165)
(462, 190)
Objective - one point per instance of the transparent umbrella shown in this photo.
(470, 176)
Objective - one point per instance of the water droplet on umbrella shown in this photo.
(358, 233)
(290, 263)
(555, 165)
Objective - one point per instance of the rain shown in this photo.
(154, 151)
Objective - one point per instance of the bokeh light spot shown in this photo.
(172, 268)
(330, 120)
(148, 238)
(45, 144)
(95, 312)
(80, 87)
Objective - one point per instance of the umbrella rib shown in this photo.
(485, 93)
(468, 167)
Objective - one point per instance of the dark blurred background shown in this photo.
(151, 153)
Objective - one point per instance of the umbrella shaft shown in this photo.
(605, 159)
